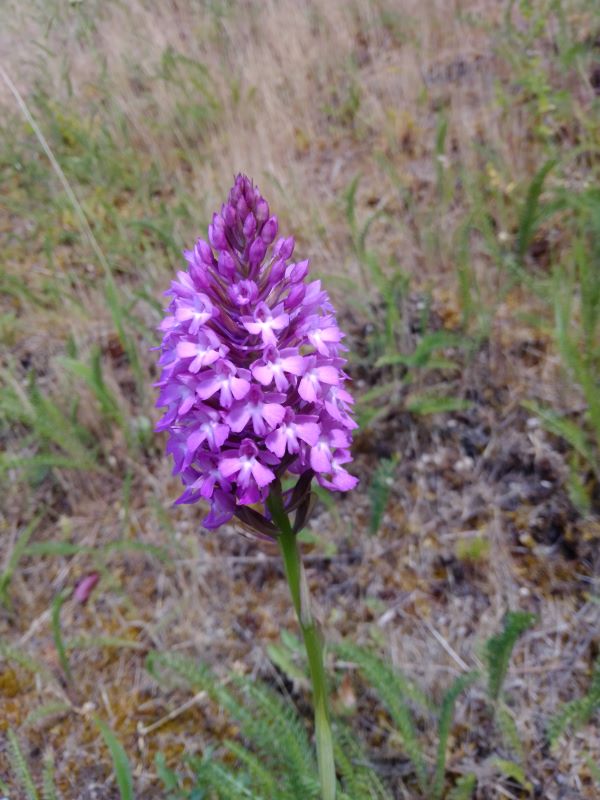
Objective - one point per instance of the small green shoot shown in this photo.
(120, 761)
(61, 650)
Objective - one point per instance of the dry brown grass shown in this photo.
(283, 75)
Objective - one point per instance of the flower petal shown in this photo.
(262, 475)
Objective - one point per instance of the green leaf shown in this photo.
(567, 430)
(283, 660)
(430, 404)
(508, 727)
(579, 492)
(472, 548)
(530, 214)
(577, 712)
(498, 649)
(49, 791)
(422, 355)
(464, 788)
(120, 761)
(51, 709)
(594, 769)
(512, 771)
(359, 778)
(20, 767)
(18, 551)
(395, 691)
(444, 725)
(51, 548)
(166, 775)
(57, 605)
(264, 779)
(93, 376)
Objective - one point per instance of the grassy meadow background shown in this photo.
(438, 161)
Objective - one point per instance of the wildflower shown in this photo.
(252, 373)
(85, 587)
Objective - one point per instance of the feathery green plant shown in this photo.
(401, 697)
(271, 726)
(396, 694)
(49, 790)
(575, 713)
(23, 775)
(446, 715)
(513, 771)
(497, 654)
(56, 437)
(594, 769)
(20, 767)
(358, 776)
(386, 341)
(274, 759)
(499, 648)
(274, 750)
(93, 377)
(573, 295)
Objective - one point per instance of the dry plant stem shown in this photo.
(294, 571)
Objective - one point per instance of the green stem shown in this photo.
(296, 578)
(63, 659)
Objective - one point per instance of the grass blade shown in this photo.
(18, 551)
(120, 761)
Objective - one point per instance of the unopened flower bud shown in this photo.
(250, 226)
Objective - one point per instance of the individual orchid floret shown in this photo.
(293, 430)
(316, 375)
(248, 469)
(252, 378)
(206, 428)
(223, 379)
(267, 322)
(264, 410)
(204, 350)
(277, 366)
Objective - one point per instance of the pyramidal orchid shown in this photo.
(252, 370)
(253, 383)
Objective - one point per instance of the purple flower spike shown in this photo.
(252, 374)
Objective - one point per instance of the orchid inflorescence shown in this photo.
(252, 376)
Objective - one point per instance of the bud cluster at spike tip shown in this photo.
(252, 378)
